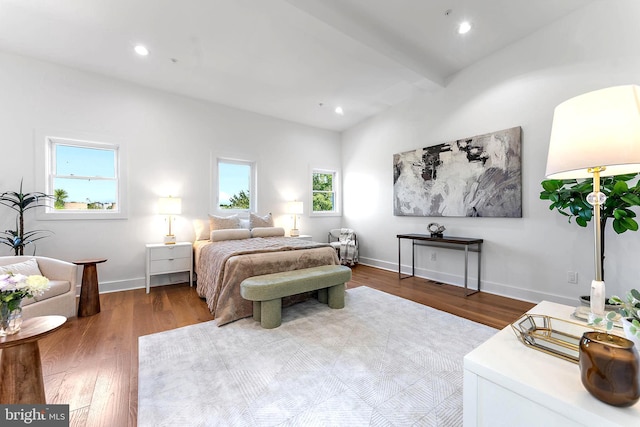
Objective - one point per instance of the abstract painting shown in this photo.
(471, 177)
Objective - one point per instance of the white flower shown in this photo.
(19, 280)
(12, 285)
(5, 284)
(36, 285)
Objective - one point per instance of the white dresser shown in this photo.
(509, 384)
(165, 259)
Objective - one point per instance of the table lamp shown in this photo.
(596, 134)
(169, 206)
(295, 208)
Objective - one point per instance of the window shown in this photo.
(324, 191)
(236, 188)
(84, 179)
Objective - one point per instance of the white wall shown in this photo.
(528, 257)
(169, 141)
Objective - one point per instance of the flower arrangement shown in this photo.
(15, 287)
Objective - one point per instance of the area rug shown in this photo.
(380, 361)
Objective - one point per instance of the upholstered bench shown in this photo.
(267, 291)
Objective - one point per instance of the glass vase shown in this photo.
(10, 320)
(610, 368)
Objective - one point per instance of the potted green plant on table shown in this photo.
(21, 202)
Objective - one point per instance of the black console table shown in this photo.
(458, 243)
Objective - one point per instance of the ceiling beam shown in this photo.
(354, 24)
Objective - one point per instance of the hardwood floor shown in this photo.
(492, 310)
(91, 363)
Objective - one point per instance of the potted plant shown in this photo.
(21, 202)
(630, 312)
(569, 198)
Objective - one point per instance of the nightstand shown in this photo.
(165, 259)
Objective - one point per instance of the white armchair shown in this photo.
(345, 242)
(60, 299)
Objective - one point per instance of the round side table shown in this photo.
(20, 364)
(89, 292)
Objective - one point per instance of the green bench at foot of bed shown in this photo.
(267, 291)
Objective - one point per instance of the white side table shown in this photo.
(509, 384)
(304, 237)
(165, 259)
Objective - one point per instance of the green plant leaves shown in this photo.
(21, 202)
(623, 224)
(631, 199)
(552, 185)
(620, 187)
(568, 197)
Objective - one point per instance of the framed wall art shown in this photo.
(479, 176)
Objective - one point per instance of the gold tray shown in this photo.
(550, 335)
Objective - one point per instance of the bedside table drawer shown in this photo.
(170, 252)
(169, 265)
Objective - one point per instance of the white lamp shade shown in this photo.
(295, 208)
(170, 206)
(600, 128)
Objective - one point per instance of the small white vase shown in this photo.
(626, 324)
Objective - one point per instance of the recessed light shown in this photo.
(339, 111)
(141, 50)
(464, 27)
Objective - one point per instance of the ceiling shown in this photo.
(292, 59)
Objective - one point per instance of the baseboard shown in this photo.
(489, 287)
(450, 279)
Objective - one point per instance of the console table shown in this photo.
(458, 243)
(509, 384)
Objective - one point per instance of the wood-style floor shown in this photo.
(91, 363)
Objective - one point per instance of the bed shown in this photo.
(222, 263)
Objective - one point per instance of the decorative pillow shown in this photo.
(202, 229)
(267, 232)
(260, 221)
(230, 234)
(28, 268)
(244, 223)
(223, 222)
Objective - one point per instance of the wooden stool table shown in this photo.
(89, 292)
(20, 364)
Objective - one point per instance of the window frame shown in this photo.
(46, 163)
(253, 187)
(337, 205)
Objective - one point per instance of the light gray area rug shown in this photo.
(380, 361)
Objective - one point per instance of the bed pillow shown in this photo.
(230, 234)
(202, 229)
(244, 223)
(223, 222)
(267, 232)
(28, 268)
(260, 221)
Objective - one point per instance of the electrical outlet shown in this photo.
(433, 256)
(572, 276)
